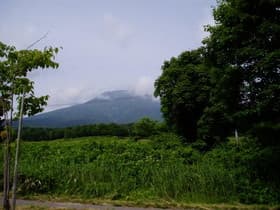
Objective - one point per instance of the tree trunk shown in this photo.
(6, 203)
(6, 172)
(17, 155)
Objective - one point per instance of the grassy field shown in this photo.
(160, 171)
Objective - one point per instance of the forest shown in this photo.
(219, 142)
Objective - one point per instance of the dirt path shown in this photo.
(71, 205)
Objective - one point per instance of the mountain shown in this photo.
(110, 107)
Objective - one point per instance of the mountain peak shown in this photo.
(116, 94)
(119, 106)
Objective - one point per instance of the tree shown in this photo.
(144, 127)
(216, 122)
(15, 86)
(244, 47)
(184, 88)
(233, 82)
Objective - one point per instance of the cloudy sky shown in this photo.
(107, 44)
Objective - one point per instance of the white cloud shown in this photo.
(60, 98)
(144, 86)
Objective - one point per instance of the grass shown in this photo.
(160, 172)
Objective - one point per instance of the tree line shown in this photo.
(143, 128)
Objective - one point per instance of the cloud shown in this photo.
(60, 98)
(144, 86)
(106, 45)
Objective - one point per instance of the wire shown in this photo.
(43, 37)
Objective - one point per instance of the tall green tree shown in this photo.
(234, 82)
(244, 47)
(184, 88)
(16, 86)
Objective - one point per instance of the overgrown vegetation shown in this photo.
(159, 168)
(228, 86)
(231, 83)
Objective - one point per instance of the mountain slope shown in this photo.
(110, 107)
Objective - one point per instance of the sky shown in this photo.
(106, 44)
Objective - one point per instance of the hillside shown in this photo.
(110, 107)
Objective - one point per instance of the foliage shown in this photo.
(255, 167)
(113, 168)
(166, 141)
(38, 134)
(183, 89)
(112, 129)
(232, 82)
(144, 127)
(14, 67)
(243, 46)
(15, 86)
(14, 83)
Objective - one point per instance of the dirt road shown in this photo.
(71, 205)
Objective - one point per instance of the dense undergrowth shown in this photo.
(158, 168)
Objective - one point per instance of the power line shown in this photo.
(43, 37)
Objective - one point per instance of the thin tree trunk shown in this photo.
(17, 155)
(6, 204)
(6, 172)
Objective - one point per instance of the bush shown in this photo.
(166, 141)
(145, 127)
